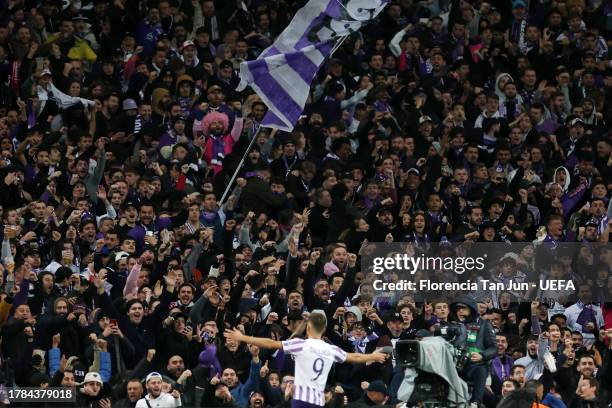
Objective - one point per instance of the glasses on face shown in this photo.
(287, 381)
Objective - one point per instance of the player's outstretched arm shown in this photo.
(376, 357)
(262, 342)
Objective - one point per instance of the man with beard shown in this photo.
(155, 396)
(257, 400)
(394, 327)
(533, 366)
(322, 297)
(185, 298)
(294, 303)
(134, 394)
(71, 327)
(288, 162)
(241, 391)
(175, 367)
(44, 294)
(584, 316)
(502, 363)
(338, 159)
(216, 103)
(253, 121)
(149, 31)
(107, 116)
(144, 231)
(381, 220)
(569, 378)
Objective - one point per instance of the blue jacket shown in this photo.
(242, 392)
(553, 402)
(105, 363)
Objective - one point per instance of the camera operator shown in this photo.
(480, 344)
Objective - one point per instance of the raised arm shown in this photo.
(358, 358)
(237, 335)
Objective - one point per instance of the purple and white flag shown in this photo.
(283, 73)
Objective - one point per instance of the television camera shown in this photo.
(430, 368)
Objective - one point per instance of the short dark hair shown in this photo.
(317, 322)
(514, 382)
(586, 356)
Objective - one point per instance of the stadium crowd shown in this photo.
(443, 121)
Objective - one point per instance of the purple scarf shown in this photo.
(586, 316)
(502, 370)
(208, 358)
(209, 215)
(218, 152)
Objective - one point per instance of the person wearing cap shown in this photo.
(226, 79)
(289, 161)
(376, 395)
(78, 48)
(185, 88)
(189, 56)
(90, 391)
(518, 24)
(257, 400)
(155, 397)
(176, 134)
(82, 29)
(589, 233)
(129, 106)
(60, 101)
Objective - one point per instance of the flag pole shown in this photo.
(231, 182)
(244, 156)
(338, 45)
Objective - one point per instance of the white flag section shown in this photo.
(283, 73)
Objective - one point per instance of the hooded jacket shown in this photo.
(70, 331)
(568, 177)
(485, 336)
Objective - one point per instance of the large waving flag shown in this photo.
(283, 73)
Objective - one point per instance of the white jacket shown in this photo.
(164, 400)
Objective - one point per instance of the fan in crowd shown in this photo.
(125, 275)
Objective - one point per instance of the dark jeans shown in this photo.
(477, 375)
